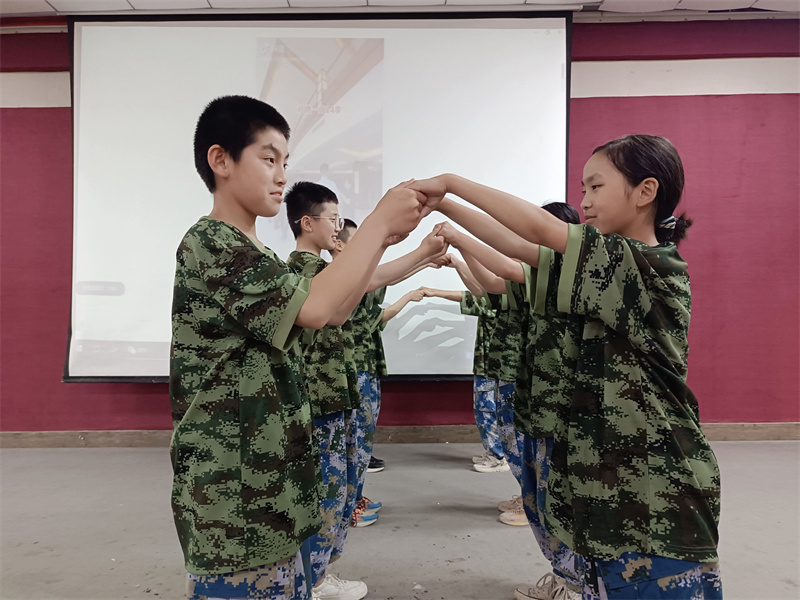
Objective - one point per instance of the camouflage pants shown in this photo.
(281, 580)
(510, 438)
(643, 576)
(535, 469)
(330, 435)
(484, 396)
(370, 388)
(353, 443)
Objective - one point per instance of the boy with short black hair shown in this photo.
(245, 488)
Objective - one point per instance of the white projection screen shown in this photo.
(376, 100)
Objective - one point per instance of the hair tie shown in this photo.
(669, 222)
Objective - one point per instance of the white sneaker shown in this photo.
(492, 465)
(333, 588)
(516, 517)
(507, 505)
(479, 458)
(549, 587)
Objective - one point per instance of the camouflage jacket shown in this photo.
(245, 469)
(377, 338)
(546, 381)
(366, 321)
(330, 374)
(634, 471)
(478, 306)
(505, 343)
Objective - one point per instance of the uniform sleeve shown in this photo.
(257, 290)
(604, 277)
(471, 304)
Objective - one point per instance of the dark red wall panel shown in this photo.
(685, 39)
(34, 52)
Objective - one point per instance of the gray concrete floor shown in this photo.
(96, 524)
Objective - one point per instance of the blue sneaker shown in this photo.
(361, 519)
(368, 505)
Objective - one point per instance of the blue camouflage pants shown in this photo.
(370, 388)
(484, 396)
(281, 580)
(352, 445)
(510, 438)
(330, 435)
(536, 454)
(635, 576)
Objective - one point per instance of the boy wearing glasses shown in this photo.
(332, 383)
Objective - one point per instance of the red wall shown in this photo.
(741, 157)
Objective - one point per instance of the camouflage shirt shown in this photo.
(544, 387)
(634, 471)
(505, 343)
(478, 306)
(377, 338)
(366, 321)
(330, 374)
(245, 469)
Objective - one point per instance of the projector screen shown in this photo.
(371, 102)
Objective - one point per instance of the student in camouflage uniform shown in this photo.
(633, 486)
(245, 493)
(367, 321)
(544, 382)
(485, 387)
(332, 383)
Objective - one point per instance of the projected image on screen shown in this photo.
(371, 103)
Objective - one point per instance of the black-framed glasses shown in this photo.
(337, 221)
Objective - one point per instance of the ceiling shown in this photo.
(590, 9)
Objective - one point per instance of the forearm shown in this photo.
(396, 270)
(485, 278)
(338, 288)
(468, 278)
(490, 231)
(391, 311)
(490, 262)
(453, 295)
(525, 219)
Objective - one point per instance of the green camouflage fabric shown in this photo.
(377, 339)
(634, 472)
(478, 306)
(366, 321)
(245, 488)
(331, 379)
(505, 343)
(545, 384)
(348, 337)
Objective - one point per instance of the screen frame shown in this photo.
(462, 13)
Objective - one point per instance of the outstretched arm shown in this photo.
(391, 311)
(453, 295)
(527, 220)
(487, 264)
(432, 246)
(468, 279)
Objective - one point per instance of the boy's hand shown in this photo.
(426, 292)
(442, 261)
(400, 208)
(433, 245)
(415, 295)
(448, 232)
(433, 190)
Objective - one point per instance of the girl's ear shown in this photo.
(647, 192)
(218, 160)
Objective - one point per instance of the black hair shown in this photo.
(562, 210)
(306, 198)
(345, 233)
(232, 122)
(638, 157)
